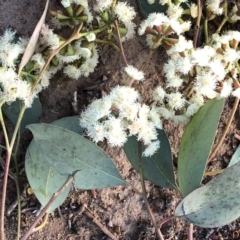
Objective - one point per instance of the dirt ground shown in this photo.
(118, 209)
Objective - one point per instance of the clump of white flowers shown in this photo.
(13, 87)
(119, 115)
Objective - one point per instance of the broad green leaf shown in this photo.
(196, 145)
(215, 204)
(69, 123)
(31, 115)
(33, 40)
(235, 158)
(158, 168)
(70, 153)
(47, 181)
(147, 8)
(43, 178)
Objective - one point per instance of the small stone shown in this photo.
(23, 223)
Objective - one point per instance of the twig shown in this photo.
(166, 220)
(120, 43)
(7, 164)
(15, 203)
(190, 232)
(44, 210)
(196, 31)
(74, 36)
(144, 194)
(89, 213)
(230, 119)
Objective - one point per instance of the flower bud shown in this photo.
(70, 50)
(79, 10)
(122, 31)
(69, 11)
(105, 16)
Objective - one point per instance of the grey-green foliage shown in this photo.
(196, 145)
(57, 152)
(235, 158)
(215, 204)
(43, 178)
(158, 168)
(70, 153)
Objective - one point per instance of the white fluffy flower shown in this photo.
(230, 55)
(192, 109)
(151, 149)
(154, 19)
(90, 63)
(202, 56)
(174, 11)
(175, 81)
(182, 45)
(66, 3)
(121, 95)
(184, 65)
(134, 73)
(72, 71)
(10, 49)
(175, 100)
(102, 5)
(236, 93)
(129, 111)
(217, 69)
(214, 5)
(124, 12)
(159, 94)
(205, 84)
(226, 90)
(194, 10)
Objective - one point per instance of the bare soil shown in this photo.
(118, 209)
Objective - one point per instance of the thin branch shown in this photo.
(7, 164)
(166, 220)
(74, 36)
(44, 210)
(120, 43)
(98, 223)
(196, 31)
(190, 232)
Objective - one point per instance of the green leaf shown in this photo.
(215, 204)
(69, 123)
(46, 181)
(31, 115)
(158, 168)
(196, 145)
(147, 8)
(70, 153)
(43, 178)
(235, 158)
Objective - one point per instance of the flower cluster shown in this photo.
(121, 114)
(209, 72)
(122, 11)
(11, 85)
